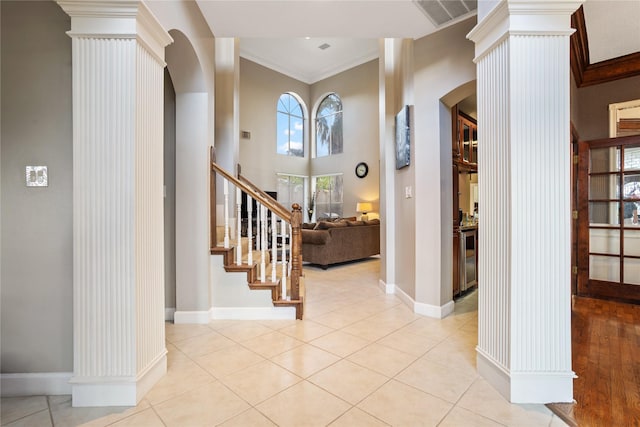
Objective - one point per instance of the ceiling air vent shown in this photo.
(441, 12)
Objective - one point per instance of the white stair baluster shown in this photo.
(226, 214)
(283, 234)
(239, 227)
(249, 229)
(263, 237)
(258, 232)
(274, 246)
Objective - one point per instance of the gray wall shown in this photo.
(170, 192)
(593, 105)
(358, 89)
(260, 88)
(36, 266)
(443, 62)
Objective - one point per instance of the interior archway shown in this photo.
(186, 234)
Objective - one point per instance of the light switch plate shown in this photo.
(37, 176)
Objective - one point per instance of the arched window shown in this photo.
(329, 126)
(290, 126)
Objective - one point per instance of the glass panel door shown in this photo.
(608, 219)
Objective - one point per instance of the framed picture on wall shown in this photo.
(403, 137)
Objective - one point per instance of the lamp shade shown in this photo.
(364, 207)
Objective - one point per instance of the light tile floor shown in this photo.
(359, 358)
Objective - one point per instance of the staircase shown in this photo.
(257, 255)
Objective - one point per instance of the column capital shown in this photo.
(116, 19)
(523, 17)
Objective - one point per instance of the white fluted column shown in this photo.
(118, 281)
(524, 312)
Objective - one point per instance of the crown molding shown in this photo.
(117, 19)
(522, 18)
(586, 74)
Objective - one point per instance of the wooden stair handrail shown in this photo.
(256, 188)
(266, 201)
(294, 218)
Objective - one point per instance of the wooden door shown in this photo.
(608, 224)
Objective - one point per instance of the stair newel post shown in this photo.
(249, 229)
(263, 238)
(238, 226)
(283, 239)
(296, 251)
(226, 214)
(274, 246)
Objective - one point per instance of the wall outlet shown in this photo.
(37, 176)
(408, 192)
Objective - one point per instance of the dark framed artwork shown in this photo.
(403, 137)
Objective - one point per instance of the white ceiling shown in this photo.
(274, 33)
(613, 28)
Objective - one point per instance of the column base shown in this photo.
(526, 387)
(117, 391)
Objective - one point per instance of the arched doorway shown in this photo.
(186, 179)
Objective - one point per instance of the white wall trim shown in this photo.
(169, 313)
(202, 317)
(515, 17)
(542, 387)
(438, 312)
(104, 392)
(494, 373)
(253, 313)
(117, 391)
(40, 383)
(526, 387)
(153, 374)
(387, 288)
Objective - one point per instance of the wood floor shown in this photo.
(606, 358)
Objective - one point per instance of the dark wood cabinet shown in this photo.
(465, 141)
(464, 160)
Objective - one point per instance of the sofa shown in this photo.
(331, 242)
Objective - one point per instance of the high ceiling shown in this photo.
(286, 35)
(613, 28)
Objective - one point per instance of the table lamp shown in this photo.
(363, 208)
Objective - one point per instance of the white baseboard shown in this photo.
(387, 288)
(542, 387)
(494, 373)
(234, 313)
(147, 379)
(190, 317)
(253, 313)
(439, 312)
(100, 392)
(169, 313)
(32, 384)
(435, 311)
(526, 387)
(402, 295)
(117, 391)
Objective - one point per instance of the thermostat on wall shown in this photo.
(37, 176)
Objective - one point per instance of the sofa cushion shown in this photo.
(315, 237)
(325, 225)
(354, 223)
(308, 226)
(373, 222)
